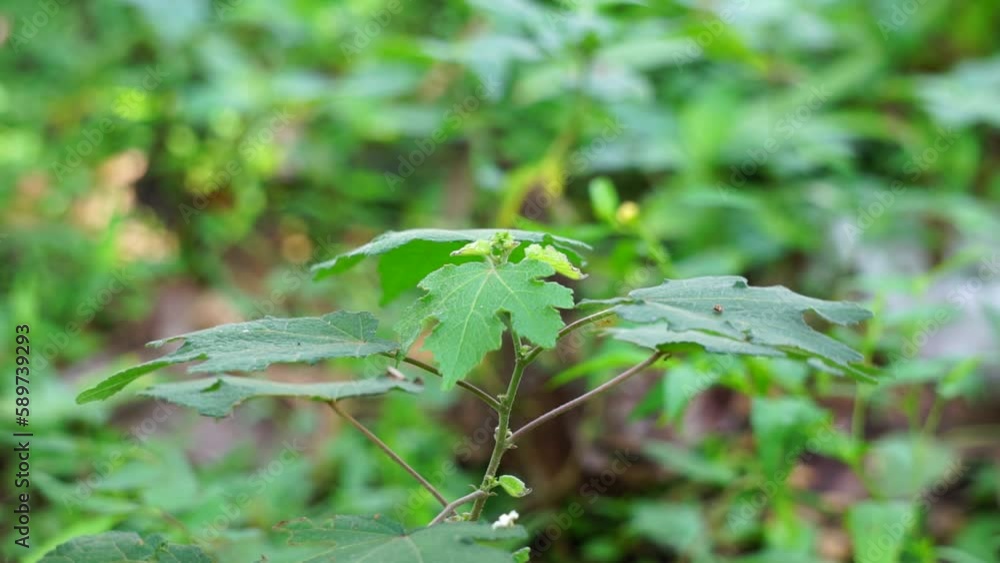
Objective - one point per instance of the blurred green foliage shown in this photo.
(846, 149)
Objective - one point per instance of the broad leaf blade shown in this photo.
(255, 345)
(467, 301)
(357, 539)
(218, 396)
(406, 257)
(124, 547)
(879, 529)
(725, 315)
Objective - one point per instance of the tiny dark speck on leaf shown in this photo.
(717, 308)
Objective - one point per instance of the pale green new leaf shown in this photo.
(124, 547)
(217, 396)
(254, 345)
(467, 301)
(406, 257)
(554, 258)
(361, 539)
(725, 315)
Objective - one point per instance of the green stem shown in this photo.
(911, 404)
(501, 442)
(570, 328)
(470, 387)
(858, 415)
(453, 505)
(934, 416)
(618, 379)
(385, 448)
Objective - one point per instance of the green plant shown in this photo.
(478, 285)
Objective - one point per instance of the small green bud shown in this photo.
(514, 486)
(475, 248)
(503, 243)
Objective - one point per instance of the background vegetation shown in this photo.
(168, 166)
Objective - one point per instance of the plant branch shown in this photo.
(570, 328)
(501, 441)
(395, 457)
(470, 387)
(453, 505)
(588, 395)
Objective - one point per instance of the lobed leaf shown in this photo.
(219, 395)
(356, 539)
(255, 345)
(124, 547)
(406, 257)
(467, 301)
(723, 314)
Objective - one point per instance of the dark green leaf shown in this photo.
(254, 345)
(406, 257)
(723, 314)
(218, 396)
(124, 547)
(357, 539)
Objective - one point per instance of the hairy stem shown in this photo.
(501, 442)
(453, 505)
(570, 328)
(618, 379)
(385, 448)
(470, 387)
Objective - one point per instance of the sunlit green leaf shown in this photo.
(467, 302)
(406, 257)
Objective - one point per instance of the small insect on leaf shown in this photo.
(717, 308)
